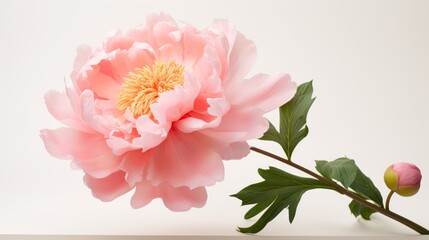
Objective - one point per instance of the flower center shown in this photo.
(144, 86)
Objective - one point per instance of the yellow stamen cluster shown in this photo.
(144, 86)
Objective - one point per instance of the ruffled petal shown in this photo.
(172, 105)
(175, 198)
(125, 61)
(88, 150)
(169, 52)
(60, 107)
(87, 103)
(227, 29)
(166, 32)
(151, 133)
(248, 121)
(236, 150)
(102, 85)
(138, 56)
(119, 145)
(217, 108)
(108, 188)
(83, 53)
(209, 80)
(193, 47)
(134, 164)
(185, 160)
(146, 33)
(116, 40)
(109, 117)
(265, 92)
(241, 59)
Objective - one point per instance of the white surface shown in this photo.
(370, 65)
(203, 237)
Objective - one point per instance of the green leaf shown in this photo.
(293, 117)
(359, 209)
(272, 135)
(293, 120)
(342, 169)
(365, 187)
(357, 181)
(278, 191)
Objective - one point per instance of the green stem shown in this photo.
(348, 193)
(388, 200)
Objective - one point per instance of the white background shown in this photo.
(370, 65)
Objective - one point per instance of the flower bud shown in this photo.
(403, 178)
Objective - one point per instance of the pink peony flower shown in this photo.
(157, 109)
(403, 178)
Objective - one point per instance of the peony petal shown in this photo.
(74, 100)
(103, 116)
(172, 105)
(183, 198)
(108, 68)
(408, 173)
(207, 75)
(80, 81)
(88, 150)
(139, 55)
(60, 106)
(223, 138)
(262, 91)
(83, 53)
(241, 59)
(146, 34)
(119, 145)
(176, 199)
(191, 124)
(218, 107)
(134, 163)
(87, 104)
(144, 194)
(170, 52)
(193, 47)
(185, 160)
(248, 121)
(237, 150)
(161, 32)
(114, 65)
(126, 61)
(410, 179)
(107, 188)
(107, 108)
(111, 119)
(116, 40)
(151, 133)
(102, 85)
(227, 29)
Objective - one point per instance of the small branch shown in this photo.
(350, 194)
(388, 200)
